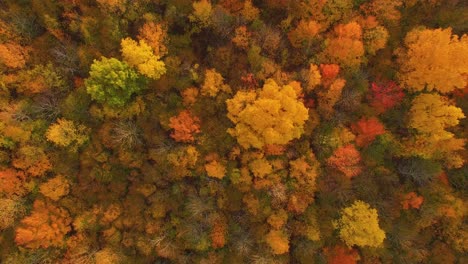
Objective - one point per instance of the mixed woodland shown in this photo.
(233, 131)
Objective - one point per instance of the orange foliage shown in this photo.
(278, 241)
(366, 130)
(55, 188)
(184, 125)
(274, 149)
(13, 55)
(329, 71)
(341, 255)
(412, 200)
(241, 39)
(218, 232)
(12, 182)
(215, 169)
(32, 160)
(189, 96)
(345, 47)
(278, 219)
(329, 97)
(155, 35)
(45, 227)
(299, 202)
(346, 159)
(304, 33)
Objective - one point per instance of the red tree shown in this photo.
(366, 130)
(385, 95)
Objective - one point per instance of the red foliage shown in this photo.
(346, 159)
(385, 95)
(341, 255)
(366, 130)
(184, 125)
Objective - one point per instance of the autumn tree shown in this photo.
(345, 46)
(385, 95)
(304, 34)
(278, 241)
(366, 130)
(359, 225)
(13, 183)
(185, 126)
(384, 10)
(201, 13)
(113, 82)
(140, 55)
(329, 96)
(67, 134)
(347, 160)
(9, 210)
(341, 255)
(55, 188)
(241, 37)
(46, 227)
(155, 35)
(412, 200)
(32, 160)
(432, 114)
(213, 84)
(427, 62)
(272, 115)
(13, 55)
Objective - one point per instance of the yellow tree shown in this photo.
(66, 133)
(434, 59)
(359, 225)
(431, 114)
(273, 115)
(140, 55)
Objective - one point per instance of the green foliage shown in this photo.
(113, 82)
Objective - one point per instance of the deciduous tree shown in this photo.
(347, 160)
(366, 130)
(428, 60)
(140, 55)
(385, 95)
(67, 134)
(185, 126)
(272, 115)
(359, 225)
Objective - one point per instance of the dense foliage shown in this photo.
(233, 131)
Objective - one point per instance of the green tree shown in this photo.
(113, 82)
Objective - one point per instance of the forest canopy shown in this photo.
(233, 131)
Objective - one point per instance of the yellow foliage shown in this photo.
(213, 84)
(314, 77)
(278, 241)
(260, 167)
(55, 188)
(431, 114)
(107, 256)
(140, 55)
(66, 133)
(13, 55)
(359, 225)
(201, 13)
(249, 11)
(9, 209)
(32, 160)
(215, 169)
(273, 115)
(434, 60)
(278, 219)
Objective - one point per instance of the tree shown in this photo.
(241, 38)
(412, 200)
(273, 115)
(213, 84)
(278, 241)
(215, 169)
(45, 227)
(347, 160)
(9, 209)
(113, 82)
(304, 33)
(313, 77)
(328, 97)
(13, 55)
(155, 35)
(185, 126)
(341, 255)
(13, 183)
(385, 95)
(345, 46)
(67, 134)
(428, 60)
(431, 114)
(140, 55)
(55, 188)
(201, 13)
(32, 160)
(367, 130)
(359, 225)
